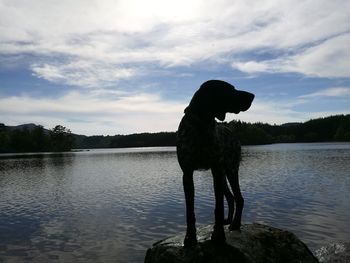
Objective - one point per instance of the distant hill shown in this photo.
(32, 137)
(288, 124)
(29, 126)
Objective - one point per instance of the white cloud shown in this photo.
(271, 112)
(88, 113)
(96, 43)
(330, 58)
(82, 73)
(283, 111)
(256, 67)
(108, 33)
(329, 92)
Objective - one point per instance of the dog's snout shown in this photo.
(252, 96)
(246, 99)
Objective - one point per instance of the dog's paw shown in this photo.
(190, 240)
(218, 236)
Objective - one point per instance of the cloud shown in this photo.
(252, 67)
(91, 113)
(267, 111)
(327, 59)
(308, 37)
(82, 73)
(284, 111)
(111, 50)
(340, 92)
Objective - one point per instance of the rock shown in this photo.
(336, 252)
(254, 243)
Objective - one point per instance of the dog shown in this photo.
(202, 143)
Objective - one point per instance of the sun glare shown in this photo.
(161, 10)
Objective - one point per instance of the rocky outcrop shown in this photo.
(254, 243)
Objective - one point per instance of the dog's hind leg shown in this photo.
(230, 203)
(218, 235)
(191, 237)
(232, 177)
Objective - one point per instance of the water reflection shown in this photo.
(303, 188)
(110, 205)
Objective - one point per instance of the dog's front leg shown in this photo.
(191, 237)
(218, 234)
(234, 182)
(230, 202)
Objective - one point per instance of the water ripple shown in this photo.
(111, 205)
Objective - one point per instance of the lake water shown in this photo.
(110, 205)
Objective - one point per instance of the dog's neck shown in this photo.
(201, 118)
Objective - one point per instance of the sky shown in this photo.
(106, 67)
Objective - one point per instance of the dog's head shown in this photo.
(215, 98)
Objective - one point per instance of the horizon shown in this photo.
(167, 131)
(129, 66)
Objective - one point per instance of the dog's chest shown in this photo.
(198, 146)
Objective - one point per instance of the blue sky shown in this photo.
(125, 66)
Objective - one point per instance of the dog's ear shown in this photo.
(208, 99)
(240, 101)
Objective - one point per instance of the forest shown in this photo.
(35, 138)
(328, 129)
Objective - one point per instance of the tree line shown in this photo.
(328, 129)
(38, 139)
(124, 141)
(333, 128)
(34, 138)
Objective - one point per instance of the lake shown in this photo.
(110, 205)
